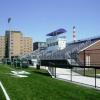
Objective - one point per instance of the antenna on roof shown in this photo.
(74, 34)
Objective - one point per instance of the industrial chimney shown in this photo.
(74, 34)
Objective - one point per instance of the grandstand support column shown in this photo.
(84, 63)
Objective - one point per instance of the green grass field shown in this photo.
(40, 86)
(1, 94)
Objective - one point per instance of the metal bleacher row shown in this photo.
(64, 54)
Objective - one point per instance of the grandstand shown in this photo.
(57, 51)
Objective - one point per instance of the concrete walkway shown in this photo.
(65, 74)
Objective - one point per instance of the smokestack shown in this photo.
(74, 34)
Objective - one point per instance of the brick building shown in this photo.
(13, 44)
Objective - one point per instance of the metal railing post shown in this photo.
(55, 72)
(84, 63)
(71, 74)
(95, 77)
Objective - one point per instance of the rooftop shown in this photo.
(57, 32)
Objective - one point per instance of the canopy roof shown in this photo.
(57, 32)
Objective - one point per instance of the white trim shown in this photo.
(87, 60)
(4, 91)
(89, 45)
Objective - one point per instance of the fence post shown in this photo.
(84, 62)
(71, 74)
(95, 77)
(55, 72)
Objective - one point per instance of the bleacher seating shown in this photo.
(70, 53)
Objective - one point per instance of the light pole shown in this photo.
(9, 24)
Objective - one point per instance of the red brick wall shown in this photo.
(94, 53)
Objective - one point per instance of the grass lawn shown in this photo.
(1, 94)
(40, 86)
(89, 72)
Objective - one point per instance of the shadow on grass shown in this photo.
(42, 73)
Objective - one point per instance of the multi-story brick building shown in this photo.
(2, 47)
(13, 44)
(27, 46)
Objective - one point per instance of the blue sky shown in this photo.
(36, 18)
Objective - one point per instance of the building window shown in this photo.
(11, 52)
